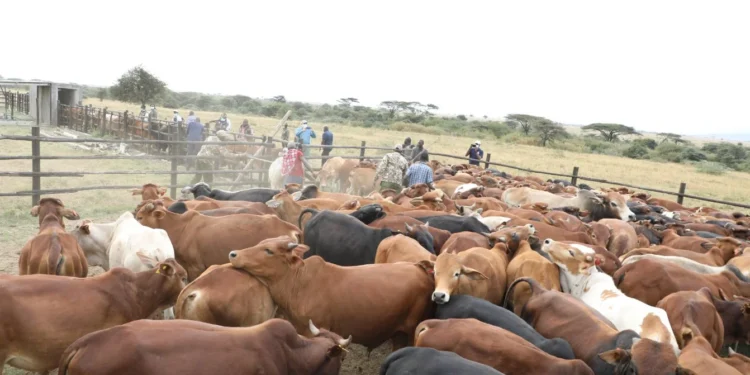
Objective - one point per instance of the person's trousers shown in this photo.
(390, 185)
(289, 179)
(326, 152)
(192, 150)
(207, 177)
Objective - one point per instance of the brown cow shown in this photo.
(742, 262)
(400, 248)
(337, 169)
(592, 337)
(477, 272)
(566, 221)
(623, 237)
(201, 241)
(40, 315)
(495, 347)
(53, 251)
(289, 210)
(225, 296)
(735, 315)
(649, 281)
(544, 231)
(740, 362)
(699, 357)
(150, 348)
(448, 186)
(153, 192)
(373, 303)
(528, 263)
(693, 243)
(312, 191)
(362, 181)
(396, 222)
(463, 241)
(693, 314)
(485, 203)
(609, 262)
(718, 256)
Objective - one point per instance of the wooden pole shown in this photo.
(362, 152)
(487, 162)
(260, 149)
(574, 180)
(681, 193)
(36, 181)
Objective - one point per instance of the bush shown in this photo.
(710, 167)
(693, 154)
(636, 151)
(414, 128)
(647, 142)
(669, 152)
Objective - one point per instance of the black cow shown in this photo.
(455, 224)
(179, 207)
(260, 195)
(429, 361)
(343, 240)
(369, 213)
(466, 307)
(561, 182)
(200, 189)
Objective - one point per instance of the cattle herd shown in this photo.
(486, 274)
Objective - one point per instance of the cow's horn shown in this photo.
(346, 342)
(291, 246)
(150, 207)
(313, 329)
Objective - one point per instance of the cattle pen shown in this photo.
(163, 140)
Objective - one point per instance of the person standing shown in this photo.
(285, 133)
(420, 172)
(176, 118)
(223, 123)
(475, 153)
(212, 151)
(407, 148)
(291, 165)
(300, 128)
(194, 134)
(191, 117)
(418, 151)
(327, 141)
(391, 169)
(305, 136)
(245, 128)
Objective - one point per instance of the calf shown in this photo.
(502, 350)
(147, 348)
(373, 303)
(477, 272)
(201, 241)
(693, 314)
(593, 339)
(580, 278)
(35, 307)
(225, 296)
(465, 307)
(52, 251)
(699, 357)
(400, 248)
(529, 263)
(428, 361)
(650, 280)
(461, 241)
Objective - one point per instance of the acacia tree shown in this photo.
(549, 131)
(524, 121)
(138, 86)
(611, 132)
(348, 101)
(279, 99)
(674, 138)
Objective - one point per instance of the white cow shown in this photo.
(275, 178)
(124, 243)
(580, 277)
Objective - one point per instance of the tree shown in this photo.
(101, 94)
(548, 131)
(636, 151)
(462, 117)
(348, 101)
(674, 138)
(524, 121)
(138, 86)
(240, 100)
(611, 132)
(646, 142)
(279, 99)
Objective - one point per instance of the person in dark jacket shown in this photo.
(327, 141)
(416, 154)
(475, 153)
(194, 134)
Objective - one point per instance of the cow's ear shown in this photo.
(70, 214)
(85, 229)
(35, 211)
(615, 356)
(683, 371)
(300, 250)
(427, 265)
(147, 260)
(335, 351)
(165, 268)
(746, 309)
(136, 191)
(162, 190)
(479, 211)
(473, 274)
(159, 214)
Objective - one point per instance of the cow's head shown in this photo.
(336, 348)
(150, 191)
(271, 258)
(576, 260)
(169, 278)
(448, 272)
(513, 236)
(280, 200)
(606, 205)
(645, 356)
(421, 234)
(151, 213)
(93, 241)
(53, 208)
(487, 181)
(469, 210)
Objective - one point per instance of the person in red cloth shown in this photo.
(291, 166)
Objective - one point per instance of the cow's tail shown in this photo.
(533, 284)
(66, 359)
(55, 258)
(302, 214)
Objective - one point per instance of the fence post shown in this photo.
(681, 194)
(35, 165)
(362, 152)
(173, 169)
(102, 122)
(85, 119)
(574, 180)
(487, 162)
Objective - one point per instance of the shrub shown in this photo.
(647, 142)
(413, 128)
(636, 151)
(693, 154)
(710, 167)
(669, 152)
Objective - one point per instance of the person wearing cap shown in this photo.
(299, 129)
(420, 172)
(205, 163)
(176, 118)
(475, 153)
(391, 169)
(291, 165)
(223, 123)
(305, 135)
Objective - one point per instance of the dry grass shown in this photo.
(667, 176)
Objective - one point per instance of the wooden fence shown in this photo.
(15, 103)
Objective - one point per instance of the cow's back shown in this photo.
(53, 252)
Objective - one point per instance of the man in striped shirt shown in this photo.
(420, 172)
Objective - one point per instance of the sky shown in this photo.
(666, 66)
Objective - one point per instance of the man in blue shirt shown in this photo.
(327, 141)
(305, 136)
(194, 134)
(475, 153)
(419, 172)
